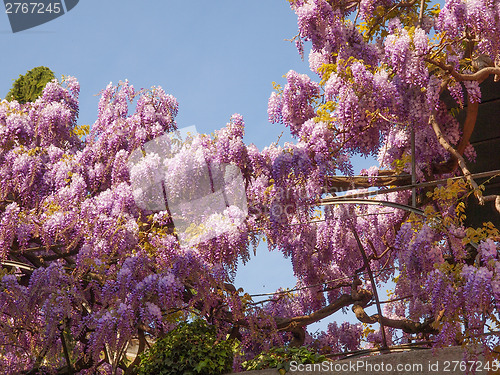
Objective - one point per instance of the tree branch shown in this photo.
(406, 325)
(461, 162)
(287, 324)
(469, 124)
(495, 198)
(421, 13)
(460, 77)
(66, 353)
(381, 18)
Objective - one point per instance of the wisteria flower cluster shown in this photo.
(90, 268)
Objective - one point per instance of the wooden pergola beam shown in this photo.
(386, 178)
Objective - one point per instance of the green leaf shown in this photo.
(191, 348)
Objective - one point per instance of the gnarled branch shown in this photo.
(406, 325)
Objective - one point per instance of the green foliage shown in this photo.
(28, 87)
(192, 348)
(281, 358)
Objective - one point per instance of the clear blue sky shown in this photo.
(217, 58)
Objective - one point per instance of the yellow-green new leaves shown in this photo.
(81, 130)
(479, 234)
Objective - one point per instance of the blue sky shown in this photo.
(217, 58)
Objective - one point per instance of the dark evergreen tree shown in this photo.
(30, 86)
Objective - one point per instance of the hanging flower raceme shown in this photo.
(294, 105)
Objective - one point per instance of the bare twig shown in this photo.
(372, 280)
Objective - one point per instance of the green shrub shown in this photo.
(192, 348)
(281, 358)
(28, 87)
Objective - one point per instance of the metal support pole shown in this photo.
(413, 170)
